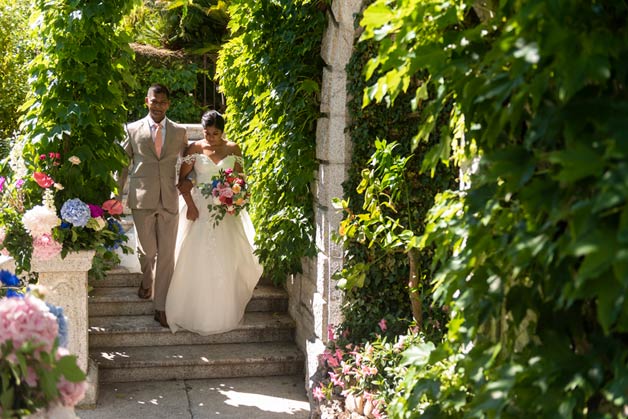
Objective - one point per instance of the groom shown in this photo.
(153, 145)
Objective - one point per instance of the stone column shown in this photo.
(315, 302)
(65, 281)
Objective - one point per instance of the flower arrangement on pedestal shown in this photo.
(36, 371)
(38, 220)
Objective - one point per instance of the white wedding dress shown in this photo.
(215, 271)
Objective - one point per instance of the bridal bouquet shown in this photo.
(228, 193)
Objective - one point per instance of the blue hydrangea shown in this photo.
(76, 212)
(61, 322)
(8, 279)
(116, 227)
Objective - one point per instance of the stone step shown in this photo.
(121, 277)
(117, 277)
(118, 331)
(148, 363)
(123, 301)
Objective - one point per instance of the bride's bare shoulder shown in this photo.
(233, 148)
(194, 148)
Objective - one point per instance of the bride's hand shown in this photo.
(192, 213)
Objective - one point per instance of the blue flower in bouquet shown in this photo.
(8, 279)
(14, 294)
(116, 227)
(76, 212)
(61, 321)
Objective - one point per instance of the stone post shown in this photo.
(315, 303)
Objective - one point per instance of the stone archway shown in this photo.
(315, 303)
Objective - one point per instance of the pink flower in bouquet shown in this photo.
(45, 247)
(27, 319)
(95, 211)
(43, 179)
(113, 207)
(40, 220)
(71, 393)
(226, 192)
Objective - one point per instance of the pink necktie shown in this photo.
(158, 139)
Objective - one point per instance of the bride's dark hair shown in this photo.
(213, 119)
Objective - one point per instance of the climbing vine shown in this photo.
(270, 73)
(370, 268)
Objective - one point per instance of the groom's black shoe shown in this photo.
(160, 316)
(144, 293)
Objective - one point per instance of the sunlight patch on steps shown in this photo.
(265, 403)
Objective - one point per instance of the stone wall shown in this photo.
(315, 302)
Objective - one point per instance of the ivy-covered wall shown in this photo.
(271, 73)
(384, 294)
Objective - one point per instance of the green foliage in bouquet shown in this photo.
(531, 255)
(271, 72)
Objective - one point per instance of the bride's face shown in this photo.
(213, 135)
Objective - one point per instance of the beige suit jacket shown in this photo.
(152, 178)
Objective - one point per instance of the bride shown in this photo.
(215, 270)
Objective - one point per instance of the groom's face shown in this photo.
(158, 104)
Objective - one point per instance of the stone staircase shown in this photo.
(129, 345)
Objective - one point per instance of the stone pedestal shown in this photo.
(65, 281)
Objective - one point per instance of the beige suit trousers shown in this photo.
(156, 229)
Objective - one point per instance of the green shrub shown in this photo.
(175, 70)
(17, 48)
(532, 255)
(385, 269)
(73, 125)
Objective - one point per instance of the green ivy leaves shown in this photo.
(271, 72)
(539, 236)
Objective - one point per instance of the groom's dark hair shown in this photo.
(159, 88)
(213, 119)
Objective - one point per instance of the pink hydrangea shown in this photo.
(45, 247)
(40, 220)
(71, 393)
(27, 319)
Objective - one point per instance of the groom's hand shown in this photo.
(185, 186)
